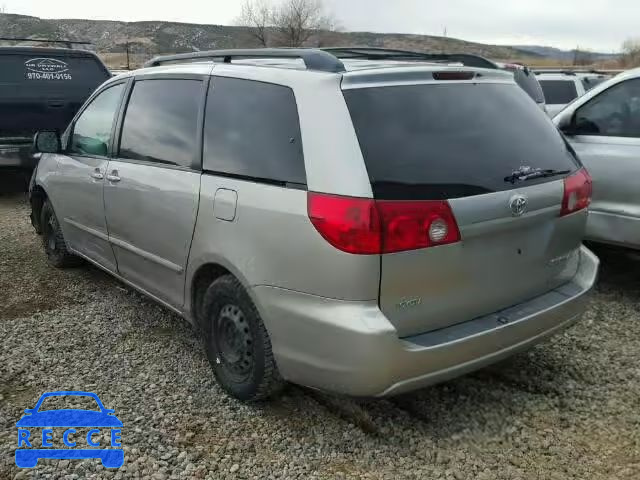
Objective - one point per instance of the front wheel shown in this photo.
(237, 342)
(54, 244)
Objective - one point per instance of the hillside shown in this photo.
(564, 55)
(153, 37)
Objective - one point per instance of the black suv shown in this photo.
(41, 88)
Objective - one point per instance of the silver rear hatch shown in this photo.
(461, 141)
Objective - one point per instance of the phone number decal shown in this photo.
(48, 76)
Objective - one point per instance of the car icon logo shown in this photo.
(518, 204)
(32, 446)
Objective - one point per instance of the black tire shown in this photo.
(53, 241)
(237, 342)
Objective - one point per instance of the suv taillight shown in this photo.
(577, 192)
(367, 227)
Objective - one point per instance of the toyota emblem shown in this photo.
(518, 205)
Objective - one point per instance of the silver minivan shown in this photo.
(362, 227)
(603, 127)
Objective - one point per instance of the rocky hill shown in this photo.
(146, 39)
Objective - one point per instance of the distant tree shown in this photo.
(631, 52)
(582, 57)
(296, 21)
(259, 16)
(290, 23)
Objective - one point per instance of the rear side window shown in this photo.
(252, 130)
(559, 92)
(589, 82)
(447, 141)
(161, 122)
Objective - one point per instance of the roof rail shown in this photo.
(314, 59)
(371, 53)
(68, 43)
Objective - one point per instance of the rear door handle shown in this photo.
(113, 176)
(97, 174)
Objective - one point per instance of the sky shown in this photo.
(599, 25)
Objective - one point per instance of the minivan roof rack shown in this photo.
(68, 43)
(373, 53)
(314, 59)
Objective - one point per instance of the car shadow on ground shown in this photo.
(619, 270)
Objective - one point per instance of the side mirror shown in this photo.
(47, 141)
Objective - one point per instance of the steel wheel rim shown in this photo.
(233, 340)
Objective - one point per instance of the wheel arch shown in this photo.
(204, 272)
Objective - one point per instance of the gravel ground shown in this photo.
(567, 409)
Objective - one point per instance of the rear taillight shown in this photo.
(577, 192)
(367, 227)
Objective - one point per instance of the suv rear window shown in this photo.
(448, 141)
(46, 71)
(559, 92)
(41, 90)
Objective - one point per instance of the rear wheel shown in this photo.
(237, 342)
(54, 244)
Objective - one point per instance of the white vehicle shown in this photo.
(562, 88)
(604, 129)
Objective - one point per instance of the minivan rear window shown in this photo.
(559, 92)
(448, 141)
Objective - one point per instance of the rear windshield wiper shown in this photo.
(527, 173)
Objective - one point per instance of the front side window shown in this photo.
(613, 113)
(92, 131)
(161, 122)
(252, 130)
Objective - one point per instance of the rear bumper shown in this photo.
(621, 230)
(351, 348)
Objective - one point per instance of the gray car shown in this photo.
(603, 127)
(361, 227)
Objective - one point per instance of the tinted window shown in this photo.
(590, 82)
(46, 71)
(92, 130)
(41, 91)
(447, 141)
(161, 122)
(252, 130)
(615, 112)
(559, 92)
(529, 83)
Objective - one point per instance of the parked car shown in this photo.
(366, 228)
(41, 88)
(562, 88)
(604, 128)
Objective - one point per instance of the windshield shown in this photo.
(452, 140)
